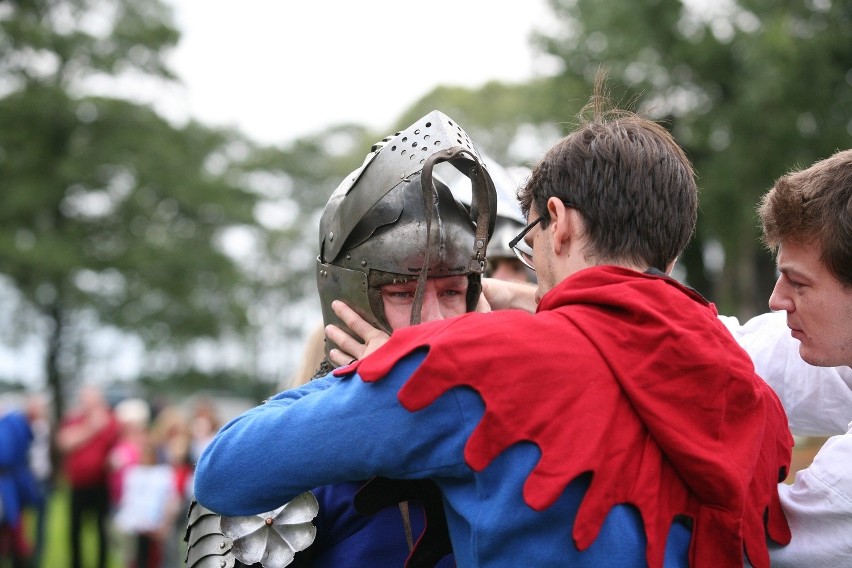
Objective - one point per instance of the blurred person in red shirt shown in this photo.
(84, 437)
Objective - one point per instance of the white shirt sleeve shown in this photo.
(818, 400)
(818, 507)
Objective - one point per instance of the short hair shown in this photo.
(814, 205)
(632, 183)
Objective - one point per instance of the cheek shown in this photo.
(397, 316)
(453, 306)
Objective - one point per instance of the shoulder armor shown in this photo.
(271, 539)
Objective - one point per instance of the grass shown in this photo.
(56, 552)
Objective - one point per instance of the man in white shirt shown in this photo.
(807, 221)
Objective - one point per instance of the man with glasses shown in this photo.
(619, 425)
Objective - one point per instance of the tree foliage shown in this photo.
(750, 89)
(112, 216)
(115, 218)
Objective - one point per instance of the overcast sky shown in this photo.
(278, 70)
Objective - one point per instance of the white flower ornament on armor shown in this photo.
(273, 538)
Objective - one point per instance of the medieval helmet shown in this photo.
(393, 219)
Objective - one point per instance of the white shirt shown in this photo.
(818, 401)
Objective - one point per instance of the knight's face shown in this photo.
(443, 298)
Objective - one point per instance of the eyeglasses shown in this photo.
(519, 246)
(521, 249)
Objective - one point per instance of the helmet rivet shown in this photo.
(363, 263)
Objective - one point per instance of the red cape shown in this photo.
(631, 377)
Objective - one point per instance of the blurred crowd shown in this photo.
(127, 468)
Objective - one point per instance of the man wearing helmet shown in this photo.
(399, 248)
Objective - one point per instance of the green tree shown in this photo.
(750, 89)
(112, 217)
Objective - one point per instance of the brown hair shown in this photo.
(814, 204)
(632, 183)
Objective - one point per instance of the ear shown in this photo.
(564, 224)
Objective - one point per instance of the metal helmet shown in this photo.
(393, 219)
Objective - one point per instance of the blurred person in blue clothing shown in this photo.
(18, 487)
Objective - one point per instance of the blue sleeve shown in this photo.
(16, 435)
(328, 431)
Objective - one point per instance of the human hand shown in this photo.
(350, 348)
(503, 294)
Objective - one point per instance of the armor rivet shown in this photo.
(331, 236)
(363, 263)
(478, 243)
(348, 257)
(223, 563)
(222, 544)
(268, 521)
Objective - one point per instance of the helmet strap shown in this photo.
(484, 202)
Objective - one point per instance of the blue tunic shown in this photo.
(476, 517)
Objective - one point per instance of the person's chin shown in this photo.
(813, 357)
